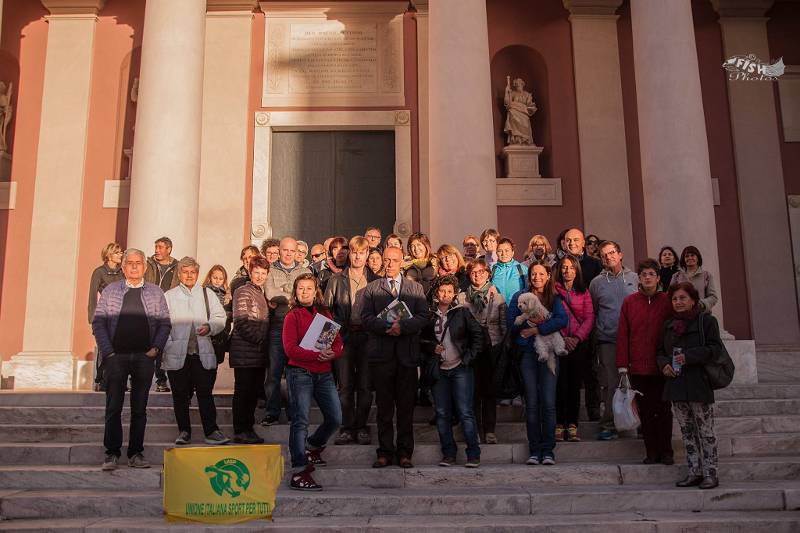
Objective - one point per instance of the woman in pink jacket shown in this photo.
(578, 303)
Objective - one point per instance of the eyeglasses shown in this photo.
(478, 272)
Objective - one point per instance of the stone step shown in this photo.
(424, 453)
(778, 364)
(165, 415)
(423, 432)
(348, 455)
(9, 398)
(732, 469)
(349, 502)
(629, 522)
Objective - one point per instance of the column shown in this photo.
(46, 359)
(676, 176)
(759, 175)
(166, 150)
(424, 107)
(224, 156)
(461, 157)
(601, 121)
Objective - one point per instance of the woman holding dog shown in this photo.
(539, 380)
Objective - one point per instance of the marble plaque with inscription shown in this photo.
(327, 59)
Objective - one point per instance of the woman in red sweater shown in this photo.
(641, 321)
(308, 375)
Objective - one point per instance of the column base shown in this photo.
(48, 370)
(743, 354)
(522, 161)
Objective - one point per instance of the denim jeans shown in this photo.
(277, 362)
(116, 370)
(455, 389)
(540, 404)
(303, 386)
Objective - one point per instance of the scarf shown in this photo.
(478, 298)
(681, 320)
(332, 266)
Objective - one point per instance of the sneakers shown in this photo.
(304, 480)
(607, 434)
(447, 461)
(248, 437)
(162, 387)
(473, 462)
(314, 457)
(572, 433)
(559, 433)
(269, 420)
(363, 437)
(549, 460)
(532, 461)
(183, 438)
(217, 438)
(138, 461)
(345, 437)
(491, 438)
(111, 462)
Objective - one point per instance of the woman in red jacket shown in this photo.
(308, 375)
(640, 323)
(578, 303)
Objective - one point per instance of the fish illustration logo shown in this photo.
(228, 476)
(750, 68)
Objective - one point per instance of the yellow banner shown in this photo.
(221, 484)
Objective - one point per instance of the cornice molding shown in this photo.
(73, 7)
(247, 6)
(592, 7)
(742, 8)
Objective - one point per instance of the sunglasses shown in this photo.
(316, 256)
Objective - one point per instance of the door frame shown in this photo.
(267, 122)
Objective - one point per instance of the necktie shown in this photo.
(393, 283)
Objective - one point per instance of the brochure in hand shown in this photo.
(321, 334)
(397, 310)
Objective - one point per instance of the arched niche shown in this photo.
(520, 61)
(126, 111)
(9, 74)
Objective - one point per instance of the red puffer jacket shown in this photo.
(295, 325)
(641, 321)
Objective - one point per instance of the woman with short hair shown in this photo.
(489, 238)
(375, 262)
(690, 339)
(489, 308)
(539, 250)
(309, 377)
(108, 272)
(451, 262)
(691, 270)
(248, 350)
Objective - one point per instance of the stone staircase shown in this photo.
(50, 480)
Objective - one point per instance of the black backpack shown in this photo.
(720, 368)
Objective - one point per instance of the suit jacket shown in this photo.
(404, 348)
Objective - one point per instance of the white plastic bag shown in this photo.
(626, 414)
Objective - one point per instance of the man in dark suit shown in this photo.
(393, 352)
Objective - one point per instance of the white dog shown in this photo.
(547, 346)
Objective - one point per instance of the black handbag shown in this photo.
(220, 341)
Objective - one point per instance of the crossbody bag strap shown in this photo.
(208, 311)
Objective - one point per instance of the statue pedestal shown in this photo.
(522, 160)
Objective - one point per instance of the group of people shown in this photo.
(416, 324)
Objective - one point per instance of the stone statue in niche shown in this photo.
(6, 112)
(520, 108)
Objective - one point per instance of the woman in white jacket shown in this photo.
(189, 357)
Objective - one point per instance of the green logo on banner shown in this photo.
(228, 475)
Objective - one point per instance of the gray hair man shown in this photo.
(131, 325)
